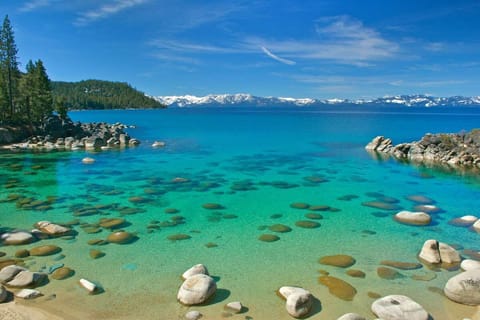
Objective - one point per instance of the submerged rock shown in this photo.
(121, 237)
(196, 289)
(338, 287)
(339, 260)
(45, 250)
(62, 273)
(398, 307)
(464, 288)
(268, 238)
(279, 228)
(388, 273)
(401, 265)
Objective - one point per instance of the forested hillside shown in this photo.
(98, 94)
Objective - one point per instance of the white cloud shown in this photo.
(36, 4)
(106, 10)
(275, 57)
(340, 39)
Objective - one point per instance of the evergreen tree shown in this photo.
(42, 102)
(9, 72)
(27, 83)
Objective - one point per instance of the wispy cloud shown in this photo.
(275, 57)
(179, 46)
(106, 10)
(33, 5)
(340, 39)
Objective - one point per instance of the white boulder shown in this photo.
(196, 269)
(464, 288)
(413, 218)
(196, 289)
(27, 279)
(351, 316)
(88, 285)
(87, 160)
(51, 228)
(448, 254)
(28, 294)
(469, 264)
(9, 272)
(299, 301)
(17, 238)
(398, 307)
(476, 225)
(158, 144)
(234, 306)
(193, 315)
(430, 252)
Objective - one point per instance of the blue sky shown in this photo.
(316, 49)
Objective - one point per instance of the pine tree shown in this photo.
(10, 74)
(42, 105)
(27, 83)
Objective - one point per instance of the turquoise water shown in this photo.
(254, 162)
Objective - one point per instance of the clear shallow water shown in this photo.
(255, 163)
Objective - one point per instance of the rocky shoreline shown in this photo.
(64, 134)
(457, 150)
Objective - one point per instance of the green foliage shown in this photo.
(97, 94)
(9, 72)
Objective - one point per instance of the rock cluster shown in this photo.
(63, 134)
(457, 150)
(435, 252)
(298, 301)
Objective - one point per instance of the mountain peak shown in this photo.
(245, 99)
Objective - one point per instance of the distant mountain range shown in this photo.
(241, 99)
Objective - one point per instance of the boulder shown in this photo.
(196, 269)
(88, 285)
(234, 306)
(193, 315)
(9, 272)
(476, 226)
(28, 294)
(339, 260)
(286, 291)
(45, 250)
(121, 237)
(93, 142)
(87, 160)
(3, 294)
(469, 264)
(158, 144)
(380, 144)
(196, 289)
(51, 229)
(17, 238)
(413, 218)
(464, 288)
(430, 252)
(351, 316)
(27, 279)
(464, 221)
(398, 307)
(299, 304)
(448, 254)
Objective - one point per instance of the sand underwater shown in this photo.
(301, 175)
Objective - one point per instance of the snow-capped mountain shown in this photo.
(242, 99)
